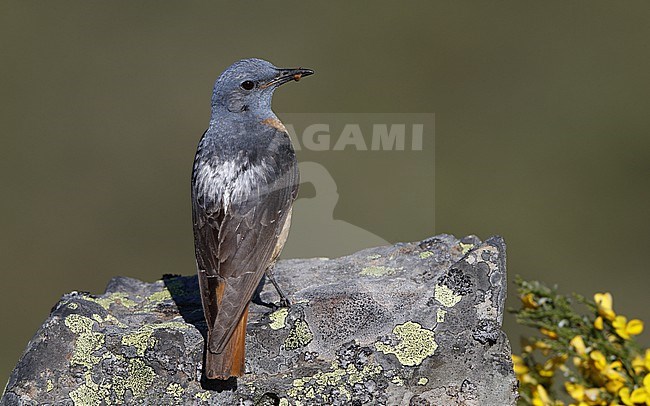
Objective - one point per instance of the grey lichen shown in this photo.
(377, 271)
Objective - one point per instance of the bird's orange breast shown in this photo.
(275, 123)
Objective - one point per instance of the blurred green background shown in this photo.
(542, 134)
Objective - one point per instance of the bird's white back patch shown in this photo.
(234, 181)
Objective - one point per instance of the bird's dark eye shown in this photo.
(247, 85)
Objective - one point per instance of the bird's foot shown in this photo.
(285, 302)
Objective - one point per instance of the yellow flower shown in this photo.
(576, 391)
(615, 377)
(578, 344)
(522, 371)
(548, 369)
(624, 394)
(548, 333)
(540, 396)
(614, 386)
(598, 323)
(627, 329)
(529, 301)
(599, 360)
(640, 363)
(639, 395)
(592, 394)
(604, 302)
(519, 365)
(546, 373)
(577, 361)
(614, 371)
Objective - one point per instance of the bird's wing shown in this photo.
(236, 230)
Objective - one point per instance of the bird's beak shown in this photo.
(287, 75)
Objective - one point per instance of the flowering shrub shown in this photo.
(592, 357)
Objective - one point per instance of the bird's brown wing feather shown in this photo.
(235, 241)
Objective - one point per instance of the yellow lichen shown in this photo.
(49, 385)
(113, 320)
(416, 344)
(446, 296)
(465, 247)
(354, 375)
(79, 324)
(299, 336)
(86, 344)
(440, 315)
(85, 396)
(142, 339)
(345, 392)
(174, 389)
(87, 341)
(307, 387)
(397, 380)
(204, 396)
(426, 254)
(114, 298)
(278, 318)
(377, 271)
(423, 381)
(160, 296)
(88, 394)
(73, 306)
(139, 378)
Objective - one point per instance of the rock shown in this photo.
(408, 324)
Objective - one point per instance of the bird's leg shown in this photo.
(284, 300)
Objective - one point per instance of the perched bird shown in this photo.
(244, 182)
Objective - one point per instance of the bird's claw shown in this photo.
(285, 302)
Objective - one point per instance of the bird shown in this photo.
(245, 179)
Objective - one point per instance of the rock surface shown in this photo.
(408, 324)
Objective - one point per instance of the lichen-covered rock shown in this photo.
(409, 324)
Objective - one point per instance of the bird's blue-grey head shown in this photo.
(247, 87)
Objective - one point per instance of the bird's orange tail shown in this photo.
(230, 362)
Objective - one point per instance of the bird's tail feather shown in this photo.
(231, 361)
